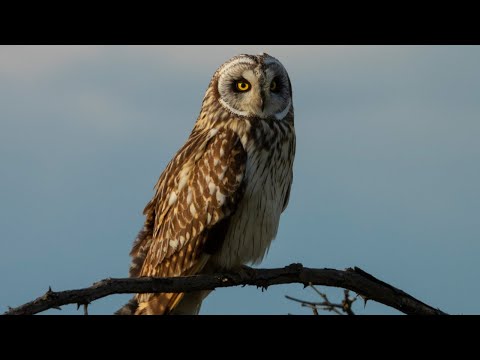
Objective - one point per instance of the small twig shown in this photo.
(326, 304)
(314, 305)
(347, 302)
(316, 290)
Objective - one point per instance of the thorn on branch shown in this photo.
(365, 299)
(49, 295)
(85, 307)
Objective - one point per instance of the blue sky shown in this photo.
(386, 175)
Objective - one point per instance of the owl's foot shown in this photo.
(246, 272)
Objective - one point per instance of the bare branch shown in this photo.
(353, 279)
(304, 303)
(347, 302)
(326, 304)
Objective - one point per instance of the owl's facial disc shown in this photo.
(255, 86)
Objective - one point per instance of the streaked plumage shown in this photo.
(217, 204)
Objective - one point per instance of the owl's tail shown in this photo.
(165, 304)
(129, 308)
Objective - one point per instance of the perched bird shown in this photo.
(217, 205)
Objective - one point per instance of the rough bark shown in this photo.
(355, 279)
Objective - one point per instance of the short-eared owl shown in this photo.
(218, 203)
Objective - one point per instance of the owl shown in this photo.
(217, 204)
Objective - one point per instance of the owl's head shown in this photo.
(254, 86)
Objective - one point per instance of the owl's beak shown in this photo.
(262, 100)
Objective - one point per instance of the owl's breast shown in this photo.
(255, 222)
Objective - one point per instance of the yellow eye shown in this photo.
(273, 85)
(242, 85)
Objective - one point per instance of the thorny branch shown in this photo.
(354, 279)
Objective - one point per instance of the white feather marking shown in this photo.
(212, 132)
(172, 198)
(182, 182)
(193, 211)
(173, 243)
(244, 140)
(280, 115)
(233, 110)
(189, 197)
(216, 161)
(185, 170)
(212, 187)
(208, 178)
(182, 240)
(241, 60)
(220, 198)
(209, 218)
(222, 152)
(249, 75)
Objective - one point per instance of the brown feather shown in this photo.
(173, 243)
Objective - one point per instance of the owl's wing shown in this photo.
(197, 192)
(292, 155)
(287, 195)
